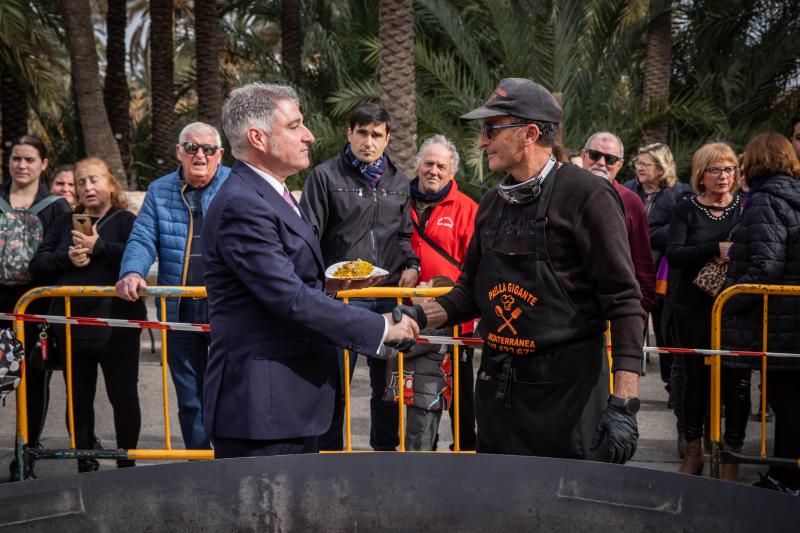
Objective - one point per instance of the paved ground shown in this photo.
(657, 447)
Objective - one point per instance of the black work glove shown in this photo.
(620, 430)
(415, 312)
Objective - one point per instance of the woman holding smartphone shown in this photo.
(91, 255)
(26, 198)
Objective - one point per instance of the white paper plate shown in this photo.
(376, 272)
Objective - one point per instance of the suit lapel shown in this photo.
(279, 205)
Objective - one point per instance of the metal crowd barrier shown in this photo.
(399, 294)
(23, 451)
(715, 362)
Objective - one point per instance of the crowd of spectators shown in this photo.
(742, 212)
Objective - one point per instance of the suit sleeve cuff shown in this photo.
(385, 332)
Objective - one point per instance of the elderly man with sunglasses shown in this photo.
(548, 265)
(603, 156)
(168, 227)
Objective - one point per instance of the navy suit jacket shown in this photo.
(272, 365)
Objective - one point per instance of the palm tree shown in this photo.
(658, 66)
(207, 51)
(291, 36)
(27, 49)
(397, 78)
(115, 92)
(97, 135)
(162, 86)
(14, 106)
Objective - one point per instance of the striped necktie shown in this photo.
(288, 197)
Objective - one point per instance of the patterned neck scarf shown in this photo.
(370, 172)
(418, 195)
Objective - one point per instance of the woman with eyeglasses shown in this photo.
(75, 257)
(766, 249)
(699, 232)
(656, 183)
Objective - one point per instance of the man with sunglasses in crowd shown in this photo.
(169, 226)
(548, 265)
(603, 156)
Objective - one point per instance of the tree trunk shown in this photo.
(97, 135)
(398, 81)
(14, 108)
(115, 92)
(162, 88)
(658, 65)
(207, 49)
(291, 36)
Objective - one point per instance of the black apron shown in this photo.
(543, 380)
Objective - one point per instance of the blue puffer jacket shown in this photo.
(162, 228)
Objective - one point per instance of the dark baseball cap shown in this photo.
(519, 97)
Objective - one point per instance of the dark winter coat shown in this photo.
(427, 371)
(354, 221)
(660, 212)
(766, 249)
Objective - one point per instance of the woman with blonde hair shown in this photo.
(79, 258)
(698, 233)
(657, 185)
(766, 249)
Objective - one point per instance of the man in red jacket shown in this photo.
(443, 220)
(603, 156)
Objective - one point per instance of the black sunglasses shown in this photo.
(488, 129)
(192, 148)
(594, 155)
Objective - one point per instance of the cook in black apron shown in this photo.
(543, 379)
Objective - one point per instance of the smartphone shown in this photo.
(82, 223)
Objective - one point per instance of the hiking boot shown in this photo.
(88, 465)
(769, 482)
(13, 470)
(693, 460)
(681, 445)
(730, 471)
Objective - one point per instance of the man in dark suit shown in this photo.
(272, 367)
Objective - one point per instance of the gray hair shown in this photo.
(252, 106)
(606, 134)
(199, 127)
(447, 143)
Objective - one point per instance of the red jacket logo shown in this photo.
(446, 222)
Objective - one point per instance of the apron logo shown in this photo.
(507, 321)
(507, 311)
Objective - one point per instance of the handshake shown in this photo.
(405, 323)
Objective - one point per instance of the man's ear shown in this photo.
(258, 140)
(532, 134)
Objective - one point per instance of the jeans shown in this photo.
(384, 419)
(187, 355)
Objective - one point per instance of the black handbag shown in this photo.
(45, 354)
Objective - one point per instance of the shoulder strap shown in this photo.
(38, 208)
(101, 223)
(5, 207)
(435, 246)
